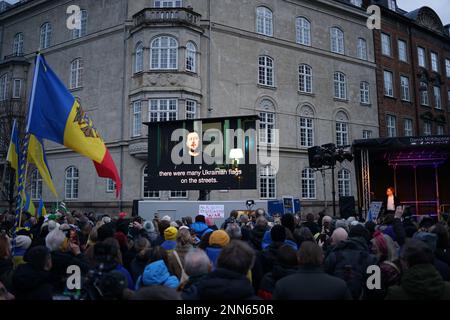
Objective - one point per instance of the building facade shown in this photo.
(307, 68)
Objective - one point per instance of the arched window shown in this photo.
(36, 185)
(267, 182)
(81, 32)
(303, 31)
(45, 35)
(76, 73)
(308, 184)
(264, 21)
(305, 78)
(364, 92)
(266, 122)
(71, 183)
(18, 44)
(340, 86)
(146, 193)
(139, 58)
(164, 53)
(191, 56)
(362, 49)
(337, 40)
(342, 133)
(344, 183)
(265, 71)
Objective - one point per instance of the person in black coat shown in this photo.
(311, 282)
(390, 202)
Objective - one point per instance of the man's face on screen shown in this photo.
(192, 143)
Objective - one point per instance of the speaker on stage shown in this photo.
(347, 207)
(315, 157)
(135, 209)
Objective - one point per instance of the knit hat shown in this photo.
(123, 215)
(23, 242)
(170, 233)
(167, 218)
(37, 256)
(149, 226)
(278, 233)
(174, 224)
(220, 238)
(428, 238)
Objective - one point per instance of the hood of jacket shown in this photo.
(423, 281)
(354, 243)
(199, 228)
(156, 273)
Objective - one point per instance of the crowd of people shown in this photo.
(256, 256)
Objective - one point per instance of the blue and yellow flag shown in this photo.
(41, 211)
(36, 155)
(13, 156)
(27, 204)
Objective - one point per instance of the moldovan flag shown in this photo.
(55, 115)
(13, 156)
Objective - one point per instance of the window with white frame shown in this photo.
(337, 40)
(437, 97)
(146, 193)
(440, 130)
(45, 35)
(266, 127)
(423, 91)
(267, 182)
(392, 5)
(191, 53)
(434, 62)
(178, 194)
(71, 183)
(18, 44)
(168, 3)
(447, 67)
(357, 3)
(17, 88)
(421, 57)
(265, 71)
(391, 126)
(264, 21)
(139, 58)
(341, 134)
(427, 128)
(163, 110)
(402, 51)
(3, 87)
(36, 185)
(364, 92)
(306, 132)
(81, 32)
(305, 78)
(308, 183)
(367, 134)
(388, 84)
(76, 73)
(344, 183)
(136, 120)
(404, 88)
(191, 109)
(303, 28)
(408, 128)
(385, 44)
(164, 53)
(110, 185)
(362, 49)
(340, 86)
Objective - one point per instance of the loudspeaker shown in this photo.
(315, 157)
(347, 207)
(135, 209)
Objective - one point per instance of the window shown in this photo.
(367, 134)
(427, 128)
(408, 128)
(448, 97)
(265, 74)
(110, 185)
(178, 194)
(18, 44)
(357, 3)
(303, 28)
(306, 132)
(344, 182)
(437, 97)
(402, 53)
(340, 86)
(191, 53)
(440, 130)
(139, 58)
(145, 192)
(423, 90)
(163, 110)
(264, 23)
(164, 53)
(388, 84)
(341, 134)
(337, 40)
(3, 87)
(17, 88)
(168, 4)
(308, 184)
(305, 78)
(434, 62)
(447, 67)
(78, 33)
(385, 44)
(46, 35)
(71, 183)
(364, 92)
(267, 182)
(76, 73)
(266, 127)
(362, 49)
(136, 128)
(392, 5)
(191, 109)
(36, 185)
(391, 126)
(404, 88)
(421, 56)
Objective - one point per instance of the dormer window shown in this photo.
(392, 5)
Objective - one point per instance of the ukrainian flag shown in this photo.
(36, 155)
(27, 204)
(41, 211)
(54, 114)
(13, 156)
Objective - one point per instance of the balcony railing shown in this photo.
(166, 15)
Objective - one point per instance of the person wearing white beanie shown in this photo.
(167, 218)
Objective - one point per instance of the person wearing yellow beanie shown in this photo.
(217, 241)
(170, 236)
